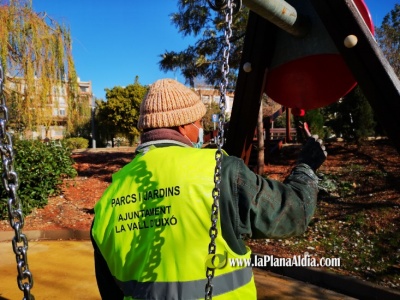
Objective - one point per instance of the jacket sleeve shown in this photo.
(272, 209)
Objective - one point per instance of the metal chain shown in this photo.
(228, 12)
(15, 215)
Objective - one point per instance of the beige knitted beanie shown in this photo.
(169, 103)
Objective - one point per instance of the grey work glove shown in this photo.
(313, 153)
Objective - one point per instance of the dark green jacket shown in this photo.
(256, 207)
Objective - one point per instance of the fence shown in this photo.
(280, 133)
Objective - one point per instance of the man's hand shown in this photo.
(313, 153)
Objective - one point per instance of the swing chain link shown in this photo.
(216, 193)
(15, 214)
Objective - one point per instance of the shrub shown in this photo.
(77, 143)
(40, 168)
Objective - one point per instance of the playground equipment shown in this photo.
(216, 192)
(278, 61)
(309, 72)
(306, 70)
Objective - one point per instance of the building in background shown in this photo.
(56, 110)
(211, 95)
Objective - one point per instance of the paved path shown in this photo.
(61, 270)
(65, 270)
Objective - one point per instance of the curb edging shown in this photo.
(342, 284)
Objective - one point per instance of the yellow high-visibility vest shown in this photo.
(152, 227)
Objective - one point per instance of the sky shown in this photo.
(115, 41)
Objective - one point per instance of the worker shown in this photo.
(151, 230)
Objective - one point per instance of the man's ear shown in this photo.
(182, 129)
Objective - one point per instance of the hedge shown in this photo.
(41, 168)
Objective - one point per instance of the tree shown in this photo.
(388, 37)
(105, 128)
(80, 110)
(212, 109)
(351, 117)
(37, 59)
(120, 114)
(315, 120)
(363, 115)
(195, 17)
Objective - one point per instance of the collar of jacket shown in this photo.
(162, 136)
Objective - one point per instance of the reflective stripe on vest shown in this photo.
(152, 227)
(185, 290)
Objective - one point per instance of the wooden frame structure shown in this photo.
(366, 61)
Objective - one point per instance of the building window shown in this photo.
(61, 100)
(58, 133)
(62, 112)
(205, 99)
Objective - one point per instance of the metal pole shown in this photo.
(282, 14)
(93, 109)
